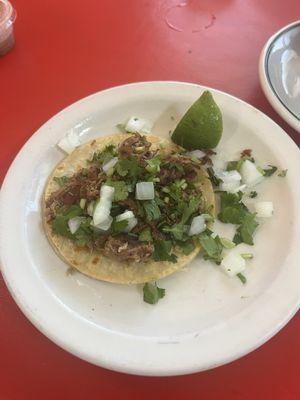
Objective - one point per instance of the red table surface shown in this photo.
(66, 50)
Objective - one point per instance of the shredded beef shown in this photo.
(126, 249)
(78, 187)
(129, 204)
(246, 153)
(135, 144)
(169, 173)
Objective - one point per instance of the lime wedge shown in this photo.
(201, 126)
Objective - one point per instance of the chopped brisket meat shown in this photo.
(126, 249)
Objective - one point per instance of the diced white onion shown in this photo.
(90, 208)
(131, 220)
(232, 187)
(110, 164)
(233, 264)
(74, 224)
(139, 125)
(144, 191)
(69, 142)
(105, 224)
(264, 209)
(196, 153)
(250, 174)
(228, 176)
(102, 209)
(198, 225)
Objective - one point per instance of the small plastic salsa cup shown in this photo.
(7, 19)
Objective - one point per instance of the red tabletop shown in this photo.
(68, 49)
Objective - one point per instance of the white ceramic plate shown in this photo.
(279, 71)
(206, 319)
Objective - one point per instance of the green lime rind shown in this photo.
(201, 126)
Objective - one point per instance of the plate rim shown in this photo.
(147, 371)
(266, 83)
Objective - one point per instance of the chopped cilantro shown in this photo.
(129, 167)
(152, 293)
(242, 278)
(244, 233)
(212, 247)
(121, 189)
(145, 235)
(214, 180)
(269, 171)
(186, 247)
(152, 210)
(118, 226)
(162, 249)
(190, 209)
(232, 210)
(153, 164)
(178, 231)
(235, 212)
(253, 194)
(61, 180)
(60, 225)
(102, 157)
(234, 165)
(283, 173)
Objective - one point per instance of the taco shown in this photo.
(121, 208)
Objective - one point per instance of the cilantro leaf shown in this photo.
(129, 167)
(245, 231)
(270, 171)
(212, 247)
(234, 165)
(178, 231)
(162, 249)
(152, 210)
(60, 225)
(190, 209)
(152, 293)
(153, 164)
(118, 226)
(145, 235)
(214, 180)
(186, 247)
(121, 190)
(61, 180)
(102, 157)
(232, 210)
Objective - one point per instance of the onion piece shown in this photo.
(198, 225)
(144, 191)
(104, 225)
(251, 176)
(233, 263)
(102, 209)
(69, 142)
(264, 209)
(140, 125)
(233, 187)
(110, 164)
(130, 218)
(228, 176)
(74, 224)
(196, 153)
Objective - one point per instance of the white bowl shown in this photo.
(279, 72)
